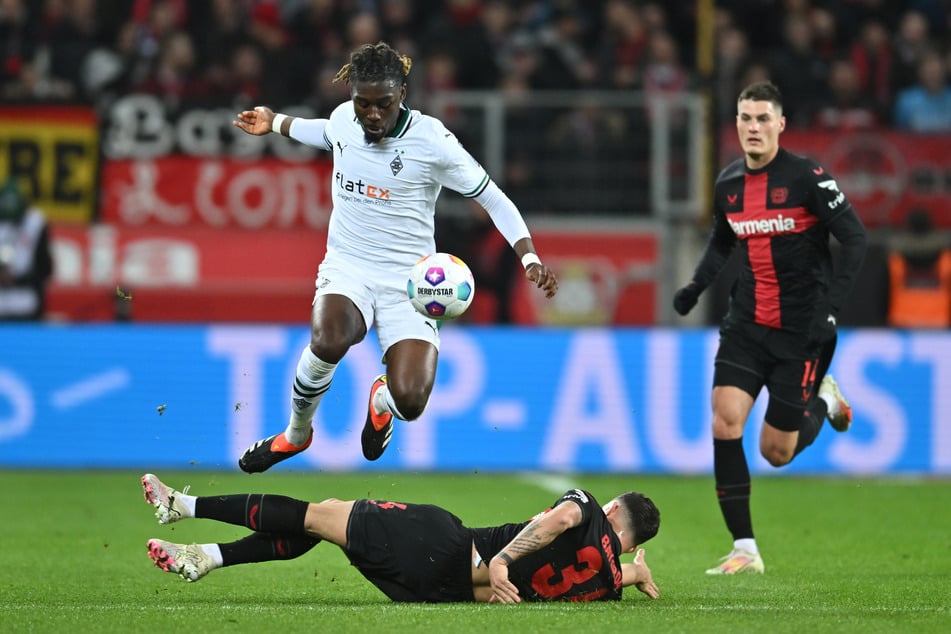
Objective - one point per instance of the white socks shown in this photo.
(749, 545)
(383, 403)
(188, 502)
(213, 551)
(832, 404)
(311, 383)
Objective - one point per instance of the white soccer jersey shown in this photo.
(384, 193)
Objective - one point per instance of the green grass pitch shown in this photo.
(842, 555)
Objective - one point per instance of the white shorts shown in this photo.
(381, 299)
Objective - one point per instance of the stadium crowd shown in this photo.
(843, 64)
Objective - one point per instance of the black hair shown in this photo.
(643, 514)
(762, 91)
(375, 63)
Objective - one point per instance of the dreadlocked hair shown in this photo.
(374, 63)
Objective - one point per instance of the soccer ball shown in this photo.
(441, 286)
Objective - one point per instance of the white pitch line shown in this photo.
(551, 482)
(91, 388)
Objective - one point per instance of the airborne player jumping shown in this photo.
(390, 163)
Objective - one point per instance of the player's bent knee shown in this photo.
(411, 409)
(777, 456)
(329, 350)
(411, 404)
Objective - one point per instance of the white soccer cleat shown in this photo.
(165, 499)
(739, 561)
(188, 562)
(840, 416)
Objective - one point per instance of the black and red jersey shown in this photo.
(779, 218)
(581, 564)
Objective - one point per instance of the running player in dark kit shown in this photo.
(778, 209)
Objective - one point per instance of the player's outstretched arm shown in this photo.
(511, 225)
(639, 575)
(257, 122)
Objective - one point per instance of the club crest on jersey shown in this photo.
(778, 195)
(396, 165)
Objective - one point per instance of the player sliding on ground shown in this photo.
(423, 553)
(390, 163)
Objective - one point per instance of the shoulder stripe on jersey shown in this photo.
(479, 188)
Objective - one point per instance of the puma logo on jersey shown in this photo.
(778, 224)
(341, 147)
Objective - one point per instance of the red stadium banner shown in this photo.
(604, 277)
(199, 274)
(885, 174)
(188, 191)
(195, 275)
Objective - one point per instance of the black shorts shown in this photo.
(412, 552)
(751, 356)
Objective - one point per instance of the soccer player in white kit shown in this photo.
(390, 163)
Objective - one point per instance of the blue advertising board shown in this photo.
(568, 400)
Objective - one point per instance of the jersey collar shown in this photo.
(401, 123)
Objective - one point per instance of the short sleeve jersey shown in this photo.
(778, 214)
(384, 193)
(581, 564)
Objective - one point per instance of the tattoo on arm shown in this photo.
(528, 541)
